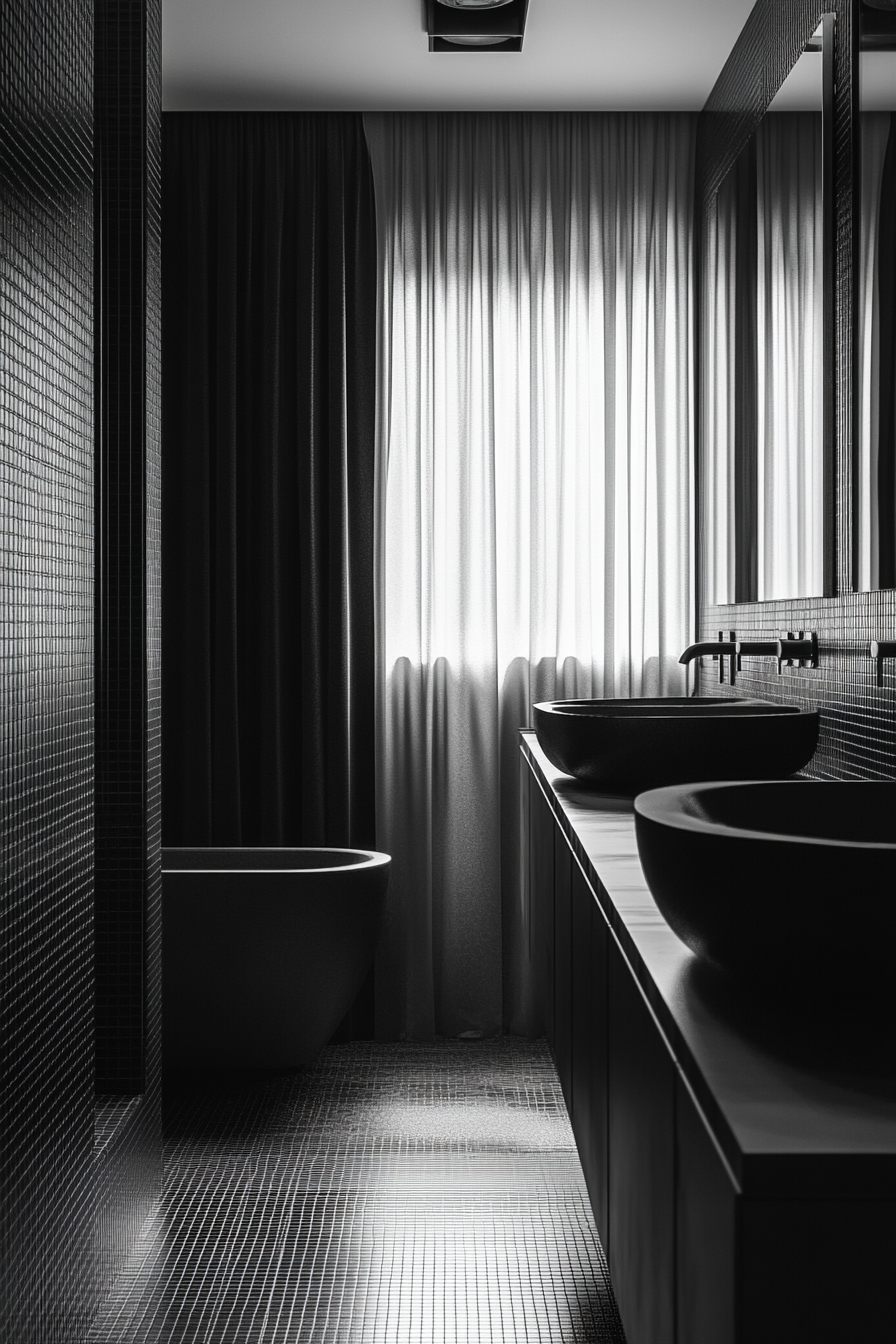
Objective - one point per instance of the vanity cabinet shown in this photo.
(539, 828)
(562, 974)
(590, 1044)
(741, 1196)
(706, 1213)
(641, 1140)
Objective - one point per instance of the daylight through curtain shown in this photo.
(533, 500)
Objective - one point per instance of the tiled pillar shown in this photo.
(128, 613)
(48, 1285)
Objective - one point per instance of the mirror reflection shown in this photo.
(763, 355)
(875, 389)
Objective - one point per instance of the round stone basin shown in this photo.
(624, 746)
(786, 882)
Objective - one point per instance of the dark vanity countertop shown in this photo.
(806, 1110)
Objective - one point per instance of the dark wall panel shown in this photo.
(128, 617)
(858, 718)
(128, 120)
(153, 300)
(46, 669)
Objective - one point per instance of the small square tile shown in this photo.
(389, 1194)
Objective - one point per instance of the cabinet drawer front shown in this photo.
(589, 1047)
(541, 900)
(819, 1270)
(563, 1025)
(706, 1212)
(642, 1163)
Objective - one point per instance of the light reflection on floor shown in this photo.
(390, 1194)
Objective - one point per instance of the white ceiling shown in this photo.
(373, 54)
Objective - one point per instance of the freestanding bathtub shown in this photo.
(263, 951)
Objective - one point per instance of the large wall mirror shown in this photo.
(874, 479)
(767, 349)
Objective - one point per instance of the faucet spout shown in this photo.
(719, 648)
(705, 648)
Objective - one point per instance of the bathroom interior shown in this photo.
(448, 497)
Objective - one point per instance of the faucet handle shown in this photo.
(802, 649)
(881, 649)
(730, 646)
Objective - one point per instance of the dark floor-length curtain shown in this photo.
(268, 364)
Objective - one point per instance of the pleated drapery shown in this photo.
(269, 356)
(533, 501)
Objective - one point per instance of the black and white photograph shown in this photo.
(447, 671)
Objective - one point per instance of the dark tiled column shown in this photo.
(47, 1284)
(128, 632)
(128, 507)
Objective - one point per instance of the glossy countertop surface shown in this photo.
(801, 1103)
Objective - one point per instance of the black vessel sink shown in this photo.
(624, 746)
(791, 882)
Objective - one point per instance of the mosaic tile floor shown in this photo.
(390, 1194)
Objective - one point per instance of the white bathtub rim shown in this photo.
(369, 858)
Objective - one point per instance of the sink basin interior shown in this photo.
(669, 705)
(787, 884)
(631, 745)
(847, 811)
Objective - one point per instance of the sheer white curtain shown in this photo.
(533, 500)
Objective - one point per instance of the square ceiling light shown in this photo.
(476, 25)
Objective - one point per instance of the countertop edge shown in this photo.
(760, 1176)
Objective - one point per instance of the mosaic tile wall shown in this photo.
(46, 669)
(858, 718)
(79, 1174)
(128, 630)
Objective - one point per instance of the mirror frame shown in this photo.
(875, 30)
(774, 37)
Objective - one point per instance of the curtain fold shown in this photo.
(533, 501)
(269, 359)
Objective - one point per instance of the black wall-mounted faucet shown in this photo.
(756, 648)
(881, 649)
(801, 648)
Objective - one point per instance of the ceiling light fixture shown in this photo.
(476, 25)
